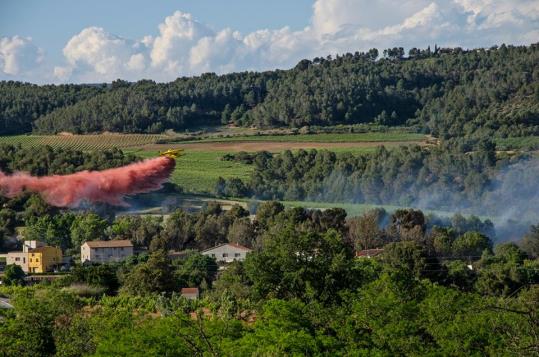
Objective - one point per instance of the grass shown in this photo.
(198, 171)
(356, 209)
(518, 143)
(323, 138)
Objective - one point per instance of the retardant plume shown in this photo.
(107, 186)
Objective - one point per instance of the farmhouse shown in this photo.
(44, 259)
(227, 252)
(190, 293)
(35, 257)
(101, 251)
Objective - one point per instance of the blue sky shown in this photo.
(51, 23)
(58, 41)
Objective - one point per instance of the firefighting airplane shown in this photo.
(172, 153)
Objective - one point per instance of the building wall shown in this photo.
(226, 254)
(18, 258)
(105, 255)
(44, 259)
(85, 253)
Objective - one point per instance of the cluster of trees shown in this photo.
(435, 289)
(46, 160)
(22, 103)
(455, 174)
(446, 92)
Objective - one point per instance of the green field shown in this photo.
(198, 171)
(323, 138)
(518, 143)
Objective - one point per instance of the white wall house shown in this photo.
(227, 253)
(105, 251)
(18, 258)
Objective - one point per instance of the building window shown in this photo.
(18, 259)
(237, 255)
(213, 255)
(225, 255)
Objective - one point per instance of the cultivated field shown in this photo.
(253, 146)
(83, 142)
(392, 136)
(198, 170)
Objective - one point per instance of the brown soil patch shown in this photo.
(251, 146)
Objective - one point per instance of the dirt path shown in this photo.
(274, 146)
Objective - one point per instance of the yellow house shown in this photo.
(43, 259)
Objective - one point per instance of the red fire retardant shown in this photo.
(107, 186)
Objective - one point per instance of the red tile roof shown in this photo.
(234, 245)
(189, 291)
(369, 252)
(109, 243)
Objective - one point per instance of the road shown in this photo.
(4, 304)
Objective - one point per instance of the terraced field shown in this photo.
(83, 142)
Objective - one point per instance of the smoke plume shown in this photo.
(107, 186)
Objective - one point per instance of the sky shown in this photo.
(67, 41)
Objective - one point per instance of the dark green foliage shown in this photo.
(530, 242)
(45, 160)
(103, 275)
(301, 291)
(13, 275)
(22, 103)
(471, 245)
(197, 270)
(55, 230)
(440, 177)
(154, 276)
(448, 92)
(86, 227)
(304, 265)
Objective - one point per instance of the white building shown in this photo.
(105, 251)
(227, 252)
(28, 245)
(18, 258)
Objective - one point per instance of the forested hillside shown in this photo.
(446, 92)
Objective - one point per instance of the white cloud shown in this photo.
(97, 55)
(18, 56)
(331, 16)
(184, 46)
(177, 35)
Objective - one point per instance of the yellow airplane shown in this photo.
(172, 153)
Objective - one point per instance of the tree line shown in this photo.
(458, 175)
(436, 288)
(445, 92)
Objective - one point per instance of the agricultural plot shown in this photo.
(83, 142)
(393, 136)
(198, 171)
(518, 143)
